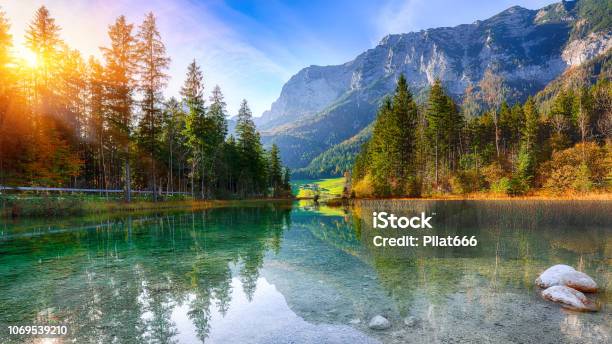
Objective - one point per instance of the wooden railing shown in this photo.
(101, 191)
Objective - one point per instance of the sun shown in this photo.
(27, 56)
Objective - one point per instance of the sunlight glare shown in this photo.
(28, 57)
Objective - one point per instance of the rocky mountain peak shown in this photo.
(322, 106)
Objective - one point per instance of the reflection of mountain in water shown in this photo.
(321, 283)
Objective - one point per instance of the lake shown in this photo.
(299, 273)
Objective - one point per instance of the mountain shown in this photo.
(337, 159)
(321, 107)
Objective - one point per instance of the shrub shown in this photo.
(413, 187)
(582, 182)
(561, 179)
(580, 168)
(364, 187)
(493, 173)
(501, 186)
(517, 186)
(466, 181)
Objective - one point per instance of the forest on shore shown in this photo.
(443, 147)
(70, 122)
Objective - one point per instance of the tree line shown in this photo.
(67, 121)
(486, 145)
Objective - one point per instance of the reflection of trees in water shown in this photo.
(122, 280)
(516, 241)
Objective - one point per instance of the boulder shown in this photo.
(565, 275)
(569, 298)
(579, 281)
(379, 323)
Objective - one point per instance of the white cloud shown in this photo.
(398, 16)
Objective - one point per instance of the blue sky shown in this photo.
(251, 48)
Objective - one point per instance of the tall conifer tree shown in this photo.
(121, 58)
(152, 66)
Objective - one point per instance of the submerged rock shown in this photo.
(379, 323)
(569, 298)
(565, 275)
(46, 315)
(410, 321)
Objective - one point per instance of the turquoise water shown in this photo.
(296, 273)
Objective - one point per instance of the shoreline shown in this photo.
(478, 197)
(57, 206)
(481, 197)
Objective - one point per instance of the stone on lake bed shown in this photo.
(569, 298)
(410, 321)
(565, 275)
(379, 323)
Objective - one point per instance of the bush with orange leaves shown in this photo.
(581, 168)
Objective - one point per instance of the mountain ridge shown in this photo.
(320, 107)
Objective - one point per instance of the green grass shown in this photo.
(329, 186)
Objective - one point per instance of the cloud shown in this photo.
(402, 16)
(398, 16)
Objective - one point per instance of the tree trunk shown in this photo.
(436, 161)
(128, 181)
(192, 179)
(496, 133)
(170, 180)
(154, 179)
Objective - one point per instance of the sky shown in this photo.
(251, 48)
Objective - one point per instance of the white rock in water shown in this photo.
(565, 275)
(355, 321)
(569, 298)
(579, 281)
(379, 323)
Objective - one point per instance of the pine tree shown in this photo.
(493, 93)
(437, 112)
(98, 123)
(218, 115)
(360, 166)
(52, 115)
(252, 168)
(390, 156)
(526, 165)
(405, 113)
(173, 140)
(531, 127)
(7, 86)
(152, 66)
(287, 180)
(215, 136)
(582, 109)
(275, 171)
(121, 59)
(383, 155)
(42, 38)
(444, 123)
(560, 117)
(195, 124)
